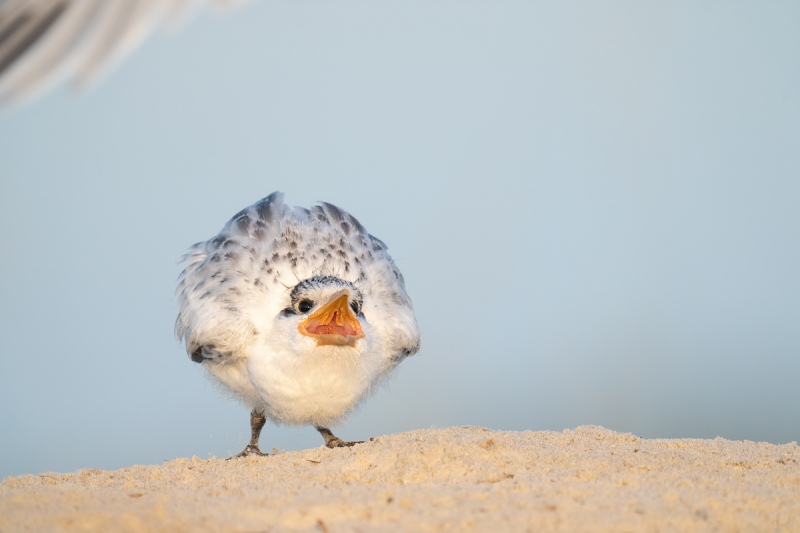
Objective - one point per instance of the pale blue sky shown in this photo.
(595, 206)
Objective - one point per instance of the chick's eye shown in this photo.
(304, 306)
(356, 307)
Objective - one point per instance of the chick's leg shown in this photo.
(257, 420)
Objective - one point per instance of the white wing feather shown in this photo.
(44, 42)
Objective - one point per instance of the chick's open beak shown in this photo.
(334, 323)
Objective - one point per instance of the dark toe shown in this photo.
(339, 443)
(249, 450)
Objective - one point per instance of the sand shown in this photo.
(454, 479)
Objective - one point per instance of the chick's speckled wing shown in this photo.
(243, 276)
(213, 286)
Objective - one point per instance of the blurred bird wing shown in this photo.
(42, 42)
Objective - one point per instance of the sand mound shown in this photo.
(467, 478)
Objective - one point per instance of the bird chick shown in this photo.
(299, 312)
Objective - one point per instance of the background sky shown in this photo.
(594, 204)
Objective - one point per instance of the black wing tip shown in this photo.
(21, 32)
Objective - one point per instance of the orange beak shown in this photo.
(334, 323)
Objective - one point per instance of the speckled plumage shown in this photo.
(243, 294)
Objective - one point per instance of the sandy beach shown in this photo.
(453, 479)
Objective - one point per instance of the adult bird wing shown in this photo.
(42, 42)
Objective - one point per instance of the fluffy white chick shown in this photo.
(299, 312)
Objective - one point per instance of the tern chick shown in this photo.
(299, 312)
